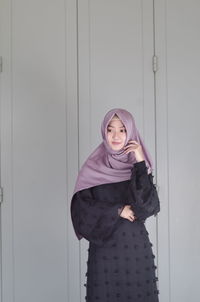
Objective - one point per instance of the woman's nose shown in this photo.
(115, 135)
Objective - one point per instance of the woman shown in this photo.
(113, 196)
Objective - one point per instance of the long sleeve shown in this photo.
(92, 219)
(142, 192)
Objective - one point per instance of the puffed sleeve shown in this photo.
(92, 219)
(142, 192)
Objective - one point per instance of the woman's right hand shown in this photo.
(127, 213)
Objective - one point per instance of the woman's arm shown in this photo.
(92, 219)
(142, 192)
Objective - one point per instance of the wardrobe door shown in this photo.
(115, 50)
(178, 90)
(33, 151)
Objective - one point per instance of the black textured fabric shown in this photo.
(120, 260)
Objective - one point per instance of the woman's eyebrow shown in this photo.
(114, 127)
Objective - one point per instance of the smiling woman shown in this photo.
(113, 196)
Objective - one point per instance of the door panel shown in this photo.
(178, 89)
(184, 148)
(34, 228)
(115, 49)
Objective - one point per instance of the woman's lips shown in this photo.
(116, 143)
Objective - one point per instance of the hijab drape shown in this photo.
(105, 165)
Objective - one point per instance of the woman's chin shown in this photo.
(116, 147)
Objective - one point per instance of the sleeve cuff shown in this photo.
(120, 210)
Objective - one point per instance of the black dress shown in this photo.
(120, 260)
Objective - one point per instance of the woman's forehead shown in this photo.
(116, 121)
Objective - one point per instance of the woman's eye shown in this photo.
(121, 130)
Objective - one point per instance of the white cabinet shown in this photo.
(65, 64)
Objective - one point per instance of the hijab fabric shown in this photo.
(106, 165)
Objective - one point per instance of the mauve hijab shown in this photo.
(105, 165)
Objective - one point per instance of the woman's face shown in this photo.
(116, 134)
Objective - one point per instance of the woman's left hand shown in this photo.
(135, 147)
